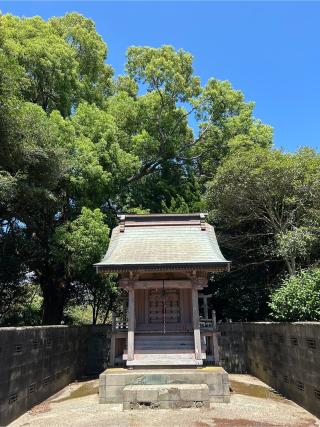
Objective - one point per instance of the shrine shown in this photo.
(163, 261)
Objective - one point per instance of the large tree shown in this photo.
(76, 143)
(266, 205)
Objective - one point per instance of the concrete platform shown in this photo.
(252, 403)
(168, 396)
(112, 382)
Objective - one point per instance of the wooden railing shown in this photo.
(209, 324)
(118, 323)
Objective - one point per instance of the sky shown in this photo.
(268, 50)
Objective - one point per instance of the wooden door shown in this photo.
(164, 306)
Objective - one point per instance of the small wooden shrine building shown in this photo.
(163, 261)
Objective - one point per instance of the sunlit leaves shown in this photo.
(298, 299)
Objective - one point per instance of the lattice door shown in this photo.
(164, 306)
(172, 306)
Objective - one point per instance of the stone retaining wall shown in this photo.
(286, 356)
(36, 362)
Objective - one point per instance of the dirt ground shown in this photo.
(253, 404)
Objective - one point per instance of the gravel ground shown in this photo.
(253, 404)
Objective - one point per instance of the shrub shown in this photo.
(298, 299)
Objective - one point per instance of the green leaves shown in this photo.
(273, 195)
(266, 185)
(164, 70)
(226, 124)
(80, 243)
(298, 299)
(296, 243)
(62, 60)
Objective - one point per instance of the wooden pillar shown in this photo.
(205, 307)
(214, 320)
(215, 348)
(196, 322)
(113, 340)
(131, 323)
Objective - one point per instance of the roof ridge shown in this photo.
(193, 219)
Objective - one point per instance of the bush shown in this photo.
(298, 299)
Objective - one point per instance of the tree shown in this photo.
(77, 245)
(298, 299)
(77, 144)
(277, 191)
(100, 293)
(265, 204)
(62, 60)
(296, 244)
(226, 123)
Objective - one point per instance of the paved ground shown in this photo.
(253, 404)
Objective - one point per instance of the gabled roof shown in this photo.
(163, 242)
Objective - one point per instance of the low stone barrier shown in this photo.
(36, 362)
(286, 356)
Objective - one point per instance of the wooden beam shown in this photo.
(159, 284)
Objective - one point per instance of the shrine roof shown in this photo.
(163, 242)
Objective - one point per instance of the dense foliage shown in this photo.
(298, 299)
(79, 146)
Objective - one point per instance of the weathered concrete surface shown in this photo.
(284, 355)
(113, 381)
(167, 396)
(252, 404)
(37, 361)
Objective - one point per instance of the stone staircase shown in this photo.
(164, 350)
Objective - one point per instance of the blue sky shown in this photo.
(269, 50)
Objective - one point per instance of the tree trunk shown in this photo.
(291, 266)
(54, 298)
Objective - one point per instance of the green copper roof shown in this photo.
(162, 241)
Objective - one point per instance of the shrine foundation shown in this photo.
(164, 388)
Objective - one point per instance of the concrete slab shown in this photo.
(113, 381)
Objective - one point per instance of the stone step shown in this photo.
(171, 353)
(162, 350)
(168, 396)
(144, 346)
(152, 355)
(164, 339)
(164, 360)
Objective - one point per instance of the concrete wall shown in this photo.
(36, 362)
(287, 357)
(284, 355)
(232, 347)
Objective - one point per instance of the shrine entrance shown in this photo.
(164, 308)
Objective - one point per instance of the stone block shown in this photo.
(162, 385)
(200, 392)
(172, 396)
